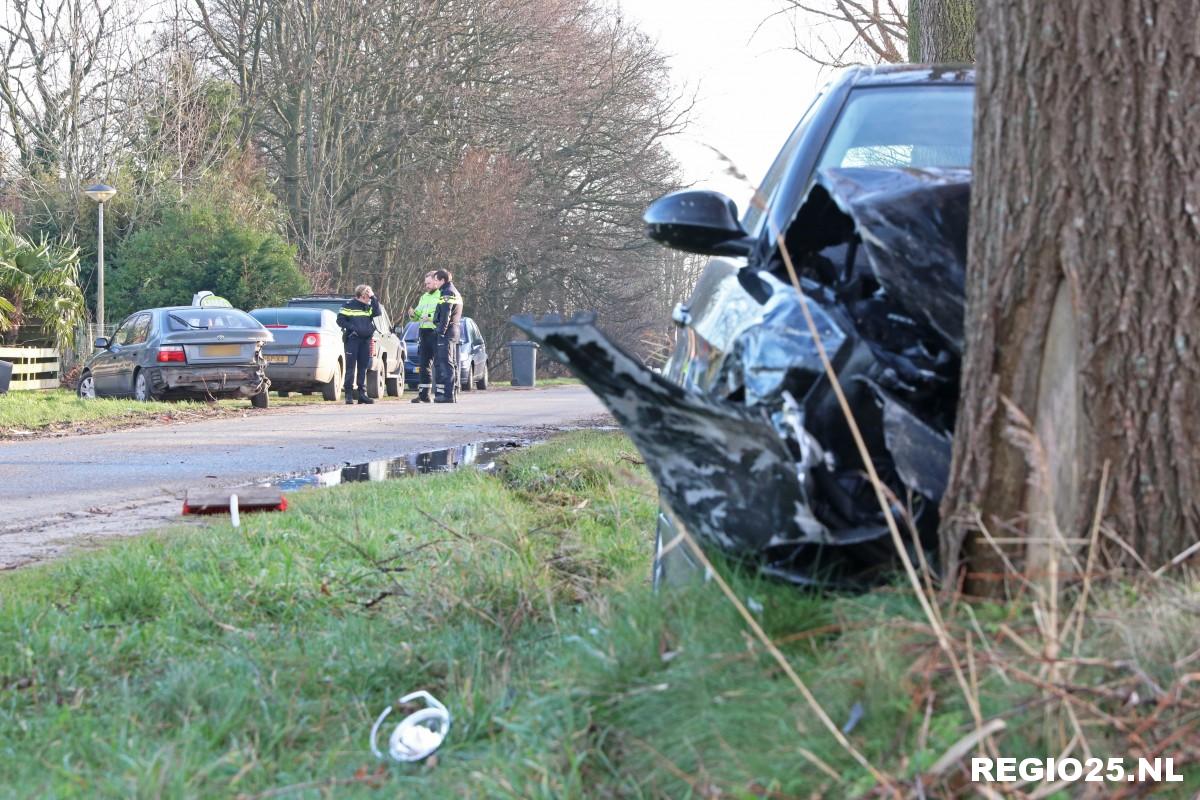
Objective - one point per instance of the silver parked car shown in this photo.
(307, 354)
(386, 373)
(180, 352)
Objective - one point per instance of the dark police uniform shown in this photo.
(446, 323)
(357, 321)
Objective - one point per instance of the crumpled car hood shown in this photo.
(758, 461)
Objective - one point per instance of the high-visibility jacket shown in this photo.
(355, 318)
(449, 311)
(426, 308)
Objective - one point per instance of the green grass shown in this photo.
(541, 383)
(33, 410)
(214, 662)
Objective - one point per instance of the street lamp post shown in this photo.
(100, 192)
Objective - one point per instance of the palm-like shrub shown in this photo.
(38, 281)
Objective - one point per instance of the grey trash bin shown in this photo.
(5, 376)
(524, 363)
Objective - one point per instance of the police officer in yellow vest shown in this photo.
(427, 348)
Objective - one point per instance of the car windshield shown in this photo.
(183, 319)
(305, 317)
(907, 126)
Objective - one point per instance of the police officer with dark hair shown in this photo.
(357, 321)
(445, 324)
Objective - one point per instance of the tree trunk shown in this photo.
(941, 31)
(1082, 288)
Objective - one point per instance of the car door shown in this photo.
(133, 353)
(104, 368)
(464, 348)
(478, 349)
(389, 343)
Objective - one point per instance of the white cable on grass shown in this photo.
(419, 734)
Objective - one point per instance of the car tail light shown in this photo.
(311, 340)
(372, 347)
(171, 354)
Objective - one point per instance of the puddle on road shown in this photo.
(481, 455)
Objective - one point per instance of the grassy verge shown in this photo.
(541, 384)
(219, 663)
(34, 412)
(30, 411)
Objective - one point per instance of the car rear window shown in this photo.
(306, 317)
(909, 126)
(332, 304)
(182, 319)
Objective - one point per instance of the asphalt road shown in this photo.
(72, 491)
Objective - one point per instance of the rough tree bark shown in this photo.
(941, 31)
(1083, 287)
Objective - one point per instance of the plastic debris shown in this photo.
(234, 503)
(418, 735)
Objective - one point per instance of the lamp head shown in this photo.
(100, 192)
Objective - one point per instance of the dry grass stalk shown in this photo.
(779, 658)
(931, 613)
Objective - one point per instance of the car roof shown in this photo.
(910, 74)
(190, 308)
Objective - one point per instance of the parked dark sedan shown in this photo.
(472, 356)
(180, 352)
(742, 430)
(307, 354)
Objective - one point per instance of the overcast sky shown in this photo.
(750, 86)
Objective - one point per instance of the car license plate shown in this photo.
(276, 359)
(214, 350)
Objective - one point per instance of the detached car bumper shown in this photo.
(209, 381)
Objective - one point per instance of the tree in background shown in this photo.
(841, 33)
(1083, 336)
(38, 283)
(202, 245)
(515, 142)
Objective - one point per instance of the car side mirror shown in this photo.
(101, 343)
(697, 221)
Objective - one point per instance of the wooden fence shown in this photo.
(33, 367)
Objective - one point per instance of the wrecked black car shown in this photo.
(742, 430)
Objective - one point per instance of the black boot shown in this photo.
(349, 397)
(364, 398)
(422, 397)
